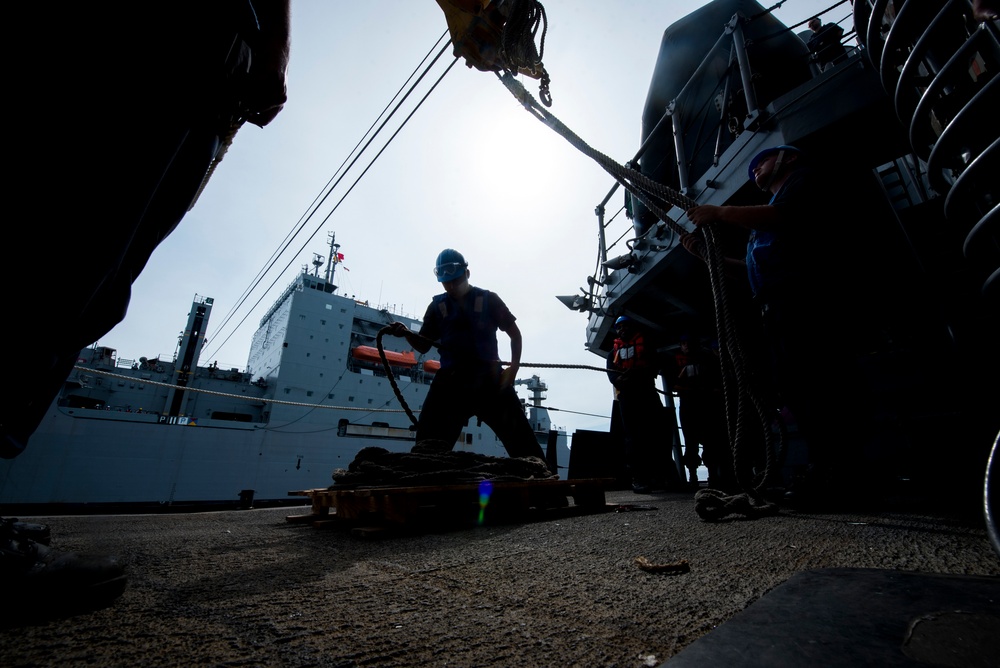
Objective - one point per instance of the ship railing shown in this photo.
(682, 112)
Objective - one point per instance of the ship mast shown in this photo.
(331, 263)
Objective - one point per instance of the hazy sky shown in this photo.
(470, 170)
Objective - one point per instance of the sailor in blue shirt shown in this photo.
(463, 323)
(792, 266)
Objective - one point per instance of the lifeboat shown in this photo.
(370, 354)
(432, 366)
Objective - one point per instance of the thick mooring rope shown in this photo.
(392, 377)
(517, 43)
(746, 409)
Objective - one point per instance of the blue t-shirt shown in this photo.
(781, 261)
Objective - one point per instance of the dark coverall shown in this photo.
(632, 371)
(797, 277)
(468, 382)
(826, 46)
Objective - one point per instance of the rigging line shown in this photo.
(319, 200)
(322, 405)
(262, 400)
(563, 410)
(340, 201)
(316, 201)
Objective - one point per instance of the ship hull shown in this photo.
(171, 434)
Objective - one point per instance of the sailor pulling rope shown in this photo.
(748, 417)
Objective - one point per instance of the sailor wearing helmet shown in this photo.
(794, 279)
(463, 323)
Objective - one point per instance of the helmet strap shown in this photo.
(774, 172)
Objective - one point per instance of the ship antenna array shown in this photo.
(334, 255)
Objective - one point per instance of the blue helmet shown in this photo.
(622, 320)
(769, 151)
(450, 265)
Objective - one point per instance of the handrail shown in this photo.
(960, 126)
(961, 189)
(874, 42)
(902, 27)
(903, 82)
(920, 118)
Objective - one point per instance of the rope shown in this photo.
(746, 408)
(712, 505)
(391, 376)
(244, 397)
(517, 43)
(433, 462)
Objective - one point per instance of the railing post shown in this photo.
(739, 43)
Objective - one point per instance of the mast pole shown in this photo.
(331, 264)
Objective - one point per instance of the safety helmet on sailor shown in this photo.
(621, 321)
(756, 160)
(450, 265)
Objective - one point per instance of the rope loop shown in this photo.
(749, 415)
(517, 43)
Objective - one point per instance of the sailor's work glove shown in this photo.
(398, 329)
(694, 243)
(508, 376)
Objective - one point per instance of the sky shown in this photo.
(470, 170)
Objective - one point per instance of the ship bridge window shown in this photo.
(75, 401)
(232, 417)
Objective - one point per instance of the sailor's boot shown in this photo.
(40, 583)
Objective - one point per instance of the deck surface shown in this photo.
(554, 588)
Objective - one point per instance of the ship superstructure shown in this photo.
(900, 125)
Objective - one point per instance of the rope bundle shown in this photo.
(747, 410)
(518, 43)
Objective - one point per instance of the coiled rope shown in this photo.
(517, 43)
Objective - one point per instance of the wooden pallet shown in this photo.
(367, 510)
